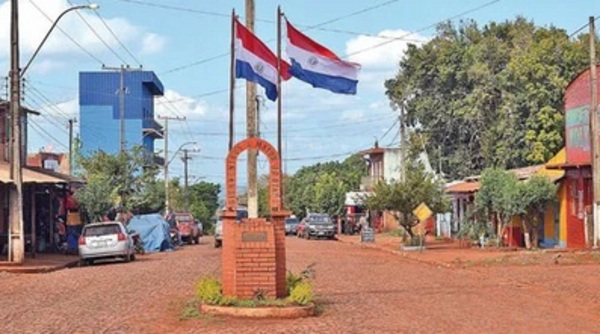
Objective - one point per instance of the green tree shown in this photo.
(488, 96)
(402, 197)
(498, 198)
(535, 196)
(204, 202)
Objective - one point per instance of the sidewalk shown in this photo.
(450, 253)
(42, 263)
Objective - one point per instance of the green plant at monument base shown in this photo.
(302, 294)
(209, 290)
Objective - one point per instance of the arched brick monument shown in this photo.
(254, 249)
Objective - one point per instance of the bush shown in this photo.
(302, 293)
(291, 281)
(209, 290)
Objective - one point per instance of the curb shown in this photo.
(17, 269)
(291, 312)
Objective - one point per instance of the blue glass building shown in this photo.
(100, 113)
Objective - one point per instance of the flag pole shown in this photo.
(231, 78)
(279, 14)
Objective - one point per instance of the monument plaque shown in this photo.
(367, 235)
(254, 236)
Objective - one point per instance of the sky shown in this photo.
(186, 43)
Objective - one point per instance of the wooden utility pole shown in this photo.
(16, 244)
(70, 125)
(232, 79)
(251, 126)
(594, 132)
(166, 162)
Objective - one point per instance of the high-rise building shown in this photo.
(100, 110)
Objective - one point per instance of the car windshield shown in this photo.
(242, 214)
(99, 230)
(320, 219)
(291, 221)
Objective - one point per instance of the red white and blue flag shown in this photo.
(318, 66)
(255, 62)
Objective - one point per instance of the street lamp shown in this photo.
(91, 6)
(166, 167)
(16, 242)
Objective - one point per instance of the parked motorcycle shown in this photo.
(137, 242)
(175, 238)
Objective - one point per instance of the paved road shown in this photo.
(360, 290)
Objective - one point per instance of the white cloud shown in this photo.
(152, 43)
(34, 26)
(379, 56)
(175, 104)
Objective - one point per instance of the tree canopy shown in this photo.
(488, 96)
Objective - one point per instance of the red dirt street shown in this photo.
(360, 290)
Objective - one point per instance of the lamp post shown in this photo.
(166, 167)
(16, 240)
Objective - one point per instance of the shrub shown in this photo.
(208, 290)
(302, 293)
(291, 281)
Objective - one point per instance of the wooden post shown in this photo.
(232, 78)
(33, 221)
(251, 126)
(594, 132)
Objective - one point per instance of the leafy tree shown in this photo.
(535, 196)
(488, 96)
(204, 202)
(125, 179)
(498, 198)
(322, 187)
(402, 197)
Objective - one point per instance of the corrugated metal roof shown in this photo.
(463, 187)
(30, 175)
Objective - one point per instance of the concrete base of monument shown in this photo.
(285, 312)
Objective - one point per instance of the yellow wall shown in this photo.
(562, 197)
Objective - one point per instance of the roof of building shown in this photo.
(36, 175)
(471, 184)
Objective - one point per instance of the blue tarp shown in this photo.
(153, 230)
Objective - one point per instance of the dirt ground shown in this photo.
(360, 289)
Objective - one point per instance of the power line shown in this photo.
(582, 27)
(67, 35)
(40, 130)
(116, 37)
(98, 35)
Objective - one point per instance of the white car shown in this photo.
(105, 240)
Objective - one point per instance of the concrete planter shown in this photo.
(412, 248)
(287, 312)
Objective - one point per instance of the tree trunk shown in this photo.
(499, 229)
(526, 234)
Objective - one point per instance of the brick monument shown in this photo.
(254, 249)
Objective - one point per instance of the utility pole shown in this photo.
(166, 162)
(122, 90)
(16, 243)
(594, 132)
(251, 126)
(402, 141)
(186, 197)
(70, 125)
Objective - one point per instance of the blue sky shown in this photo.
(186, 43)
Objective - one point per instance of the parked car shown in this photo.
(186, 225)
(316, 225)
(241, 213)
(105, 240)
(291, 225)
(219, 234)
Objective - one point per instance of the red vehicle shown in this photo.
(186, 225)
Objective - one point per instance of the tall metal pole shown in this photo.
(232, 79)
(594, 132)
(16, 241)
(71, 146)
(167, 161)
(186, 197)
(251, 126)
(279, 146)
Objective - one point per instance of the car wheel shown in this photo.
(127, 258)
(132, 257)
(197, 240)
(218, 244)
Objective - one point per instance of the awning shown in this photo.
(33, 175)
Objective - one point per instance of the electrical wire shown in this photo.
(40, 130)
(582, 27)
(125, 48)
(98, 35)
(66, 34)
